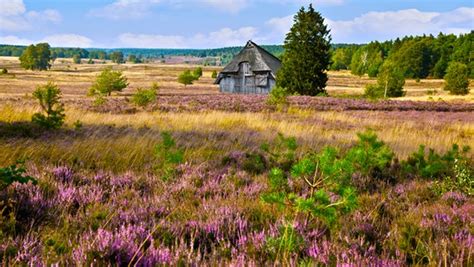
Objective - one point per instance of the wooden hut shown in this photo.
(252, 71)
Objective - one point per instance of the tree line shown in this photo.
(417, 57)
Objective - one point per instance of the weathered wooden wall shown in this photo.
(245, 85)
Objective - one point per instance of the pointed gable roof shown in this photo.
(258, 58)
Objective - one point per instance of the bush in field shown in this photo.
(143, 97)
(390, 82)
(14, 173)
(197, 73)
(108, 81)
(4, 71)
(90, 61)
(186, 78)
(307, 191)
(76, 59)
(214, 74)
(36, 57)
(432, 164)
(457, 79)
(49, 96)
(278, 97)
(168, 156)
(307, 54)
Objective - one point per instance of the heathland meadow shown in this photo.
(203, 178)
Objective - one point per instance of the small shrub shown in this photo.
(433, 165)
(143, 97)
(99, 100)
(197, 73)
(168, 156)
(186, 78)
(4, 71)
(462, 179)
(14, 173)
(278, 97)
(373, 91)
(282, 153)
(214, 74)
(457, 79)
(77, 125)
(49, 96)
(108, 81)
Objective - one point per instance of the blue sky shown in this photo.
(219, 23)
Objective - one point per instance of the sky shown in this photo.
(219, 23)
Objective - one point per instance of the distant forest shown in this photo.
(418, 57)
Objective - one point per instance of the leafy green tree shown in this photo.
(117, 57)
(108, 81)
(307, 54)
(457, 79)
(341, 58)
(186, 78)
(413, 58)
(36, 57)
(76, 59)
(367, 59)
(49, 97)
(390, 82)
(197, 73)
(214, 74)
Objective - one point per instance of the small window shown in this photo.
(261, 80)
(245, 68)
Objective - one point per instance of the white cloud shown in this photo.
(56, 40)
(134, 9)
(124, 9)
(67, 40)
(14, 16)
(388, 25)
(230, 6)
(45, 15)
(14, 40)
(220, 38)
(12, 7)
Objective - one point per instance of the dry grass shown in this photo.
(120, 142)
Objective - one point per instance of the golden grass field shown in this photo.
(121, 142)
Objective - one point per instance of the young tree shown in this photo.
(307, 57)
(390, 82)
(214, 74)
(36, 57)
(108, 81)
(49, 96)
(76, 59)
(197, 73)
(186, 78)
(457, 79)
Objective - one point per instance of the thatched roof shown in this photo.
(259, 59)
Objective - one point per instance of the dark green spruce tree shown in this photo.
(307, 55)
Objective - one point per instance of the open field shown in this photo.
(75, 79)
(105, 196)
